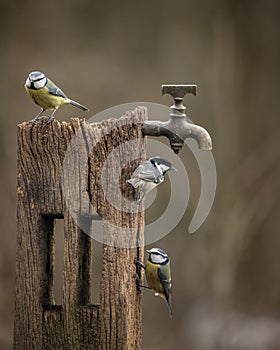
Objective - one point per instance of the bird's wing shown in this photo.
(166, 288)
(55, 90)
(134, 182)
(146, 171)
(165, 283)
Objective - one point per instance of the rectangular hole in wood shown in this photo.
(90, 263)
(97, 265)
(51, 252)
(89, 268)
(58, 260)
(85, 252)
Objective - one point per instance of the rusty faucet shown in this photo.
(178, 127)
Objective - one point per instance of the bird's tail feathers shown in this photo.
(170, 308)
(76, 104)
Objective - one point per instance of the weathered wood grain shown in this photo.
(76, 324)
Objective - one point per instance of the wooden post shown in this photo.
(76, 324)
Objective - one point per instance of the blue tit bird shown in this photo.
(47, 95)
(149, 174)
(158, 274)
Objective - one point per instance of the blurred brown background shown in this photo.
(226, 277)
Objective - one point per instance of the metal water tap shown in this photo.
(178, 127)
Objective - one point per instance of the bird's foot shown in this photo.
(33, 121)
(139, 285)
(49, 120)
(139, 264)
(138, 274)
(140, 197)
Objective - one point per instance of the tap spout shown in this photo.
(177, 132)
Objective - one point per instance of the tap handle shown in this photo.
(178, 91)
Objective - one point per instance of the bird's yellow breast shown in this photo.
(46, 100)
(151, 272)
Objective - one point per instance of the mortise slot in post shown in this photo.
(85, 248)
(47, 250)
(52, 244)
(58, 260)
(97, 265)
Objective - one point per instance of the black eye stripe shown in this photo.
(156, 253)
(38, 79)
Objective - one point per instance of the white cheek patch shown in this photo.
(157, 258)
(40, 83)
(164, 168)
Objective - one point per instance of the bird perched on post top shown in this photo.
(149, 174)
(47, 95)
(158, 274)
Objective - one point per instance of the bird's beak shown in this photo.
(148, 251)
(173, 169)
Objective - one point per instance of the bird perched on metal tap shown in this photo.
(47, 95)
(158, 274)
(149, 174)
